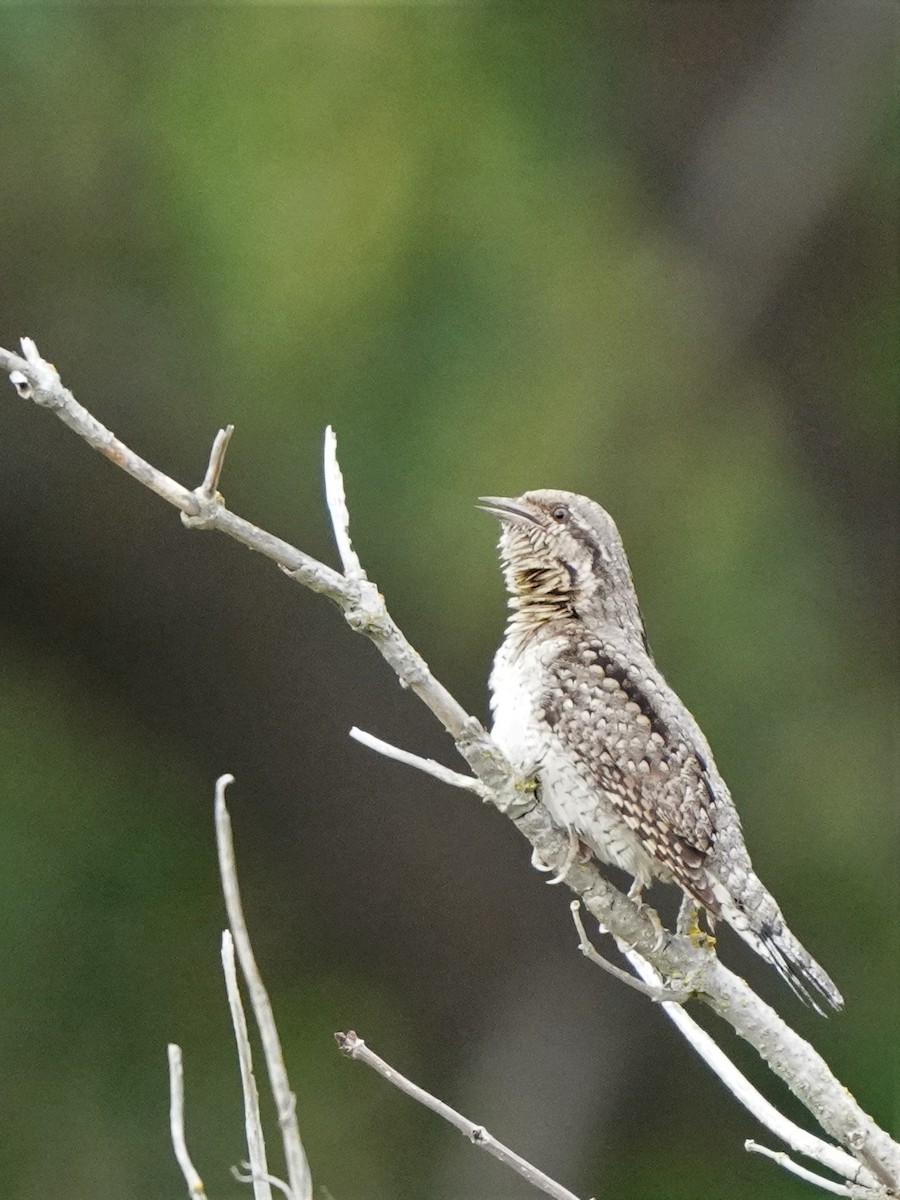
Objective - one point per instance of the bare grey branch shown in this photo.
(286, 1103)
(807, 1144)
(468, 782)
(656, 994)
(247, 1176)
(256, 1146)
(208, 499)
(827, 1185)
(354, 1047)
(48, 392)
(336, 500)
(176, 1124)
(210, 482)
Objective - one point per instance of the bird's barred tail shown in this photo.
(763, 928)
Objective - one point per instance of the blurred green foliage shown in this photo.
(448, 231)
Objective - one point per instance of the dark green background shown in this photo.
(643, 251)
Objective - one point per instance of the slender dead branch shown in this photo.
(176, 1124)
(336, 500)
(207, 494)
(673, 958)
(826, 1185)
(43, 385)
(354, 1047)
(807, 1144)
(210, 484)
(285, 1100)
(247, 1176)
(256, 1145)
(467, 782)
(655, 993)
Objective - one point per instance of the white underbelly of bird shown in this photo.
(570, 797)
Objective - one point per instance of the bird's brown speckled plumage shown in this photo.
(579, 701)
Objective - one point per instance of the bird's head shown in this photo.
(562, 557)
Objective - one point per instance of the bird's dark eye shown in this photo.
(559, 513)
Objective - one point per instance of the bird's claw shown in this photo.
(572, 852)
(636, 893)
(689, 926)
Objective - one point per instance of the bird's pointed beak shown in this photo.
(506, 510)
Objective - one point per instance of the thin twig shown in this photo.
(285, 1100)
(785, 1161)
(208, 499)
(210, 483)
(656, 994)
(354, 1047)
(176, 1124)
(207, 496)
(247, 1176)
(336, 500)
(468, 782)
(48, 392)
(256, 1146)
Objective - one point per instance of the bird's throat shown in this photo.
(538, 595)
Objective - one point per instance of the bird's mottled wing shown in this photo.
(609, 717)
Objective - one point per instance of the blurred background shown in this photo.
(643, 251)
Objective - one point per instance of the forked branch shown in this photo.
(870, 1160)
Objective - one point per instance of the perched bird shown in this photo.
(579, 703)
